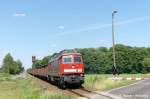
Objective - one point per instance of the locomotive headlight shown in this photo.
(73, 66)
(81, 75)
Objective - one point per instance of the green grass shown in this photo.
(102, 82)
(25, 88)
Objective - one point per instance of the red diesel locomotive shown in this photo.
(65, 68)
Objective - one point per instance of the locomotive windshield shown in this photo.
(77, 59)
(72, 59)
(67, 60)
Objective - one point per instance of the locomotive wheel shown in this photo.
(48, 78)
(79, 85)
(62, 84)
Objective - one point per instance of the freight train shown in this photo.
(64, 69)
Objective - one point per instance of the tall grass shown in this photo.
(48, 95)
(25, 88)
(32, 91)
(102, 81)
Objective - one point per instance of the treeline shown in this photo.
(11, 66)
(128, 59)
(100, 60)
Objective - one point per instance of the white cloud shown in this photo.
(61, 27)
(100, 26)
(134, 20)
(19, 14)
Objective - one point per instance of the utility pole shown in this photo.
(113, 43)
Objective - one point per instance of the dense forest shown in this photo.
(100, 60)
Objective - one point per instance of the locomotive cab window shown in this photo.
(67, 59)
(77, 59)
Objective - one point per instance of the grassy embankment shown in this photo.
(102, 82)
(25, 88)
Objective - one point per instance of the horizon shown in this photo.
(39, 58)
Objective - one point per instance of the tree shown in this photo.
(10, 66)
(7, 62)
(38, 63)
(21, 68)
(45, 60)
(14, 68)
(42, 62)
(146, 63)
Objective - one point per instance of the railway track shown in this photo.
(88, 94)
(50, 87)
(80, 92)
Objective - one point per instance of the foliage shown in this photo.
(21, 68)
(128, 59)
(42, 62)
(146, 63)
(10, 66)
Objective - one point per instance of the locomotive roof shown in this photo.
(63, 54)
(71, 53)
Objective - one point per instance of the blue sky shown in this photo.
(42, 27)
